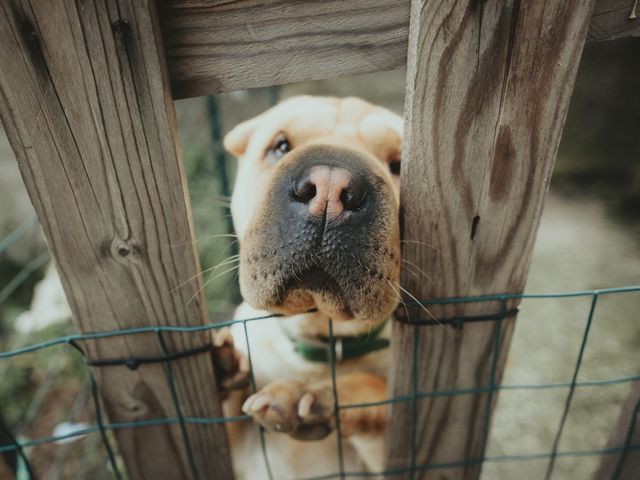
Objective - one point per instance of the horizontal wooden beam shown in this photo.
(219, 46)
(215, 46)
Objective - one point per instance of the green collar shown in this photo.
(319, 349)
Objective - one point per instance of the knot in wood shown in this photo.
(28, 31)
(122, 26)
(134, 408)
(123, 249)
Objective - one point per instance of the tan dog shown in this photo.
(315, 207)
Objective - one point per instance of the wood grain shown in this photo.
(85, 101)
(611, 20)
(217, 46)
(488, 87)
(6, 472)
(625, 465)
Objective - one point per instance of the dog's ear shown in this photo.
(237, 139)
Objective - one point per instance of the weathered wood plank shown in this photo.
(6, 472)
(8, 460)
(219, 45)
(488, 87)
(614, 19)
(85, 101)
(624, 465)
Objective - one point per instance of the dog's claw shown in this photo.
(244, 364)
(247, 404)
(256, 402)
(261, 402)
(305, 404)
(291, 407)
(232, 367)
(222, 337)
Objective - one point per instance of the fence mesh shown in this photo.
(74, 343)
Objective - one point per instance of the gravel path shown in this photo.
(578, 247)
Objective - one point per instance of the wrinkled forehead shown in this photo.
(307, 119)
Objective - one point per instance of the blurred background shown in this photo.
(589, 238)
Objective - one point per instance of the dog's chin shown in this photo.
(314, 289)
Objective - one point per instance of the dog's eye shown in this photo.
(280, 147)
(394, 167)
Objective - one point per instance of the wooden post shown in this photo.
(85, 100)
(214, 47)
(626, 464)
(6, 472)
(488, 86)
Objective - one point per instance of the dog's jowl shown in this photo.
(315, 207)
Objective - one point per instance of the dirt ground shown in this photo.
(579, 246)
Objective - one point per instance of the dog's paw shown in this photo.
(232, 366)
(293, 408)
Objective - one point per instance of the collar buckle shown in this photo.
(338, 349)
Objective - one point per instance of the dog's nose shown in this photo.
(329, 191)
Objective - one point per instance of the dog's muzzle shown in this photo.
(328, 224)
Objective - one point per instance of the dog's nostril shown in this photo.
(304, 191)
(353, 196)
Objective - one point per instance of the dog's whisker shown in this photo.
(219, 200)
(228, 260)
(404, 304)
(220, 235)
(235, 267)
(423, 307)
(226, 198)
(226, 249)
(207, 237)
(224, 262)
(413, 265)
(434, 248)
(419, 243)
(236, 257)
(408, 269)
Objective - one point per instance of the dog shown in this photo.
(316, 211)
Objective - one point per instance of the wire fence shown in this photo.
(101, 426)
